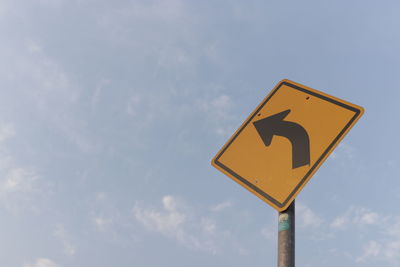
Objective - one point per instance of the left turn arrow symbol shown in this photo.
(297, 135)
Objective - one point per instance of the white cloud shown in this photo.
(146, 107)
(385, 250)
(218, 110)
(117, 21)
(100, 196)
(133, 105)
(176, 220)
(102, 223)
(51, 3)
(224, 131)
(208, 225)
(392, 251)
(222, 206)
(97, 93)
(170, 203)
(339, 222)
(47, 77)
(40, 82)
(269, 232)
(19, 186)
(18, 180)
(343, 151)
(33, 47)
(218, 106)
(386, 247)
(167, 222)
(161, 10)
(107, 218)
(369, 218)
(221, 104)
(42, 262)
(306, 217)
(372, 249)
(62, 234)
(357, 216)
(394, 229)
(6, 131)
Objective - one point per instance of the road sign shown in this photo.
(280, 146)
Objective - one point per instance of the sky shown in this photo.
(111, 111)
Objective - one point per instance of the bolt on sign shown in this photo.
(280, 146)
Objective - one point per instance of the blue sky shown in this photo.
(110, 112)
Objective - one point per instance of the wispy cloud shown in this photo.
(343, 151)
(168, 222)
(133, 105)
(41, 84)
(218, 111)
(371, 249)
(356, 216)
(96, 96)
(104, 215)
(102, 222)
(62, 234)
(42, 262)
(18, 180)
(307, 217)
(269, 232)
(385, 248)
(6, 131)
(219, 106)
(221, 206)
(154, 9)
(116, 22)
(19, 185)
(174, 220)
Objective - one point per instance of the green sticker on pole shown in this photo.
(284, 223)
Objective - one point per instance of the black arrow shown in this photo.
(297, 135)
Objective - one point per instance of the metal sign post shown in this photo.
(286, 237)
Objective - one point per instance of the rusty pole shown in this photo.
(286, 236)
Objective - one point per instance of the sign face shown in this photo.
(280, 146)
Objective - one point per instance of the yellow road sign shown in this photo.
(280, 146)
